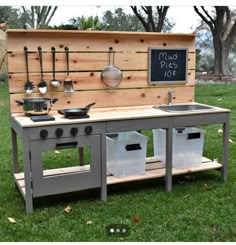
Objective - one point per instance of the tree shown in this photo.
(11, 16)
(39, 16)
(120, 21)
(153, 20)
(223, 29)
(90, 23)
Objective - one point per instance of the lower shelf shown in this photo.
(154, 169)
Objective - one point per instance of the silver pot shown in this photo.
(36, 106)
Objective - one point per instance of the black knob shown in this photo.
(59, 132)
(88, 129)
(43, 133)
(74, 131)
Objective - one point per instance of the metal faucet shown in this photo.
(170, 96)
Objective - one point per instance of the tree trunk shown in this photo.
(221, 61)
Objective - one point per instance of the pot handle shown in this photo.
(54, 100)
(61, 112)
(89, 105)
(20, 102)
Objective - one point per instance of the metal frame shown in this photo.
(31, 175)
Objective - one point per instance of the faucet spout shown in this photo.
(170, 96)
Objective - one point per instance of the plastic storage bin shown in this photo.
(187, 146)
(126, 153)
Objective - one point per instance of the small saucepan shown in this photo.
(37, 105)
(68, 112)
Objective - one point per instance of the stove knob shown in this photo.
(43, 133)
(74, 131)
(88, 129)
(59, 132)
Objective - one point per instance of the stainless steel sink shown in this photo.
(184, 107)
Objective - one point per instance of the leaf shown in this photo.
(12, 220)
(68, 209)
(135, 219)
(57, 152)
(231, 141)
(89, 222)
(220, 131)
(207, 187)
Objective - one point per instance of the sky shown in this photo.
(181, 11)
(175, 13)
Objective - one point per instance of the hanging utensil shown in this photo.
(28, 86)
(111, 76)
(68, 85)
(42, 84)
(54, 81)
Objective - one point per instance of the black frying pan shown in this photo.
(76, 111)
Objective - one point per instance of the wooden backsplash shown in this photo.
(89, 55)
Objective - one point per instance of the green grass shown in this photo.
(189, 213)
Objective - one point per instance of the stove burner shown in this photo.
(76, 117)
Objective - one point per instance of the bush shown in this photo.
(4, 77)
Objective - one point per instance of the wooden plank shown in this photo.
(82, 61)
(110, 98)
(94, 40)
(153, 170)
(157, 173)
(90, 81)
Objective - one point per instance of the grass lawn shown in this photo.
(201, 208)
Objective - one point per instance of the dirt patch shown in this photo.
(215, 78)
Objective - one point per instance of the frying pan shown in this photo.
(76, 111)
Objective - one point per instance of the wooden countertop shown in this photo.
(110, 114)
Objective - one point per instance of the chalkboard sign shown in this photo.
(167, 65)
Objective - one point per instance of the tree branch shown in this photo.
(209, 23)
(134, 8)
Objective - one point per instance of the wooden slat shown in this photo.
(153, 170)
(110, 98)
(88, 57)
(93, 41)
(82, 61)
(157, 173)
(90, 81)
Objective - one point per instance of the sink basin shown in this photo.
(184, 107)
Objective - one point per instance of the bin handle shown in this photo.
(192, 136)
(133, 147)
(66, 145)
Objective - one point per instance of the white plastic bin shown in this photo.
(187, 146)
(126, 153)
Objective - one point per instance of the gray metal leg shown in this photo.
(14, 151)
(103, 194)
(168, 176)
(224, 169)
(27, 173)
(81, 156)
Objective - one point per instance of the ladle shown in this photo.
(28, 86)
(54, 81)
(42, 84)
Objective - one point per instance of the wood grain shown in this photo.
(110, 98)
(89, 55)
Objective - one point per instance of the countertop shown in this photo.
(111, 114)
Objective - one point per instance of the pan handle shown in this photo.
(89, 105)
(54, 100)
(21, 102)
(61, 112)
